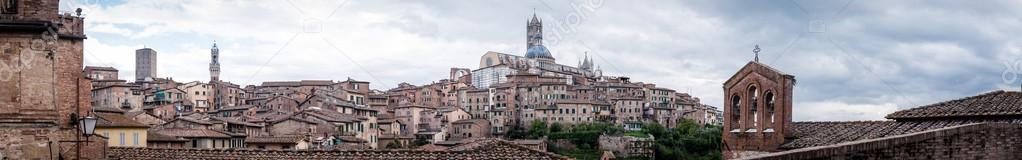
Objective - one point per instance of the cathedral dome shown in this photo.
(538, 51)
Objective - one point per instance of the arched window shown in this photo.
(753, 95)
(736, 110)
(770, 106)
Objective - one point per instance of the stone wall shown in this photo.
(627, 146)
(41, 83)
(975, 141)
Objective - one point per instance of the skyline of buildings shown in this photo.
(506, 93)
(512, 106)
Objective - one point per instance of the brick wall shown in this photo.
(41, 83)
(975, 141)
(745, 130)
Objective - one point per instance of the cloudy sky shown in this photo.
(854, 60)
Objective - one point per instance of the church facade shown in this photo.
(494, 67)
(758, 125)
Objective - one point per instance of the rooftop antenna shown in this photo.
(756, 51)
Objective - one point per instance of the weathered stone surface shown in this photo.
(41, 83)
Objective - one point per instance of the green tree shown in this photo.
(516, 133)
(538, 129)
(393, 145)
(687, 141)
(655, 129)
(556, 127)
(419, 142)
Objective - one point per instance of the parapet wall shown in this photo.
(972, 141)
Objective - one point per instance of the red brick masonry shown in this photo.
(972, 141)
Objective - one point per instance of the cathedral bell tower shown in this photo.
(534, 41)
(757, 110)
(534, 32)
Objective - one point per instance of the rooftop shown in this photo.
(106, 120)
(192, 133)
(482, 149)
(274, 139)
(811, 134)
(996, 103)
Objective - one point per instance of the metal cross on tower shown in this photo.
(756, 51)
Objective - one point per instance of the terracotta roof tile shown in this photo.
(241, 107)
(810, 134)
(274, 139)
(235, 121)
(188, 133)
(108, 110)
(482, 149)
(156, 137)
(189, 119)
(470, 121)
(432, 147)
(106, 120)
(996, 103)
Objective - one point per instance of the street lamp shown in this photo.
(87, 126)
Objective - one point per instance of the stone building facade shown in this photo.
(123, 96)
(101, 73)
(199, 94)
(627, 146)
(41, 83)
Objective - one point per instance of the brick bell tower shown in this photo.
(757, 110)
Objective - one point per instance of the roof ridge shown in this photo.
(898, 114)
(859, 121)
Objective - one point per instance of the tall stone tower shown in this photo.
(145, 64)
(757, 110)
(214, 76)
(534, 32)
(214, 63)
(534, 41)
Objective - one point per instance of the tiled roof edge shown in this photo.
(900, 114)
(877, 143)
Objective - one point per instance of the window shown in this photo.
(753, 93)
(736, 103)
(770, 106)
(122, 138)
(9, 6)
(134, 137)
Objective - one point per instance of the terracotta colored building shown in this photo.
(758, 109)
(757, 123)
(470, 128)
(101, 73)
